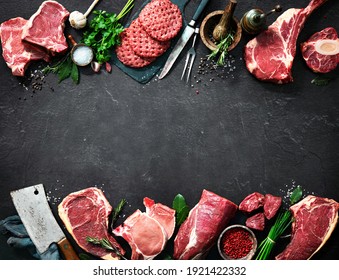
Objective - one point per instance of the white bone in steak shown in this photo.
(317, 62)
(199, 232)
(148, 232)
(45, 28)
(17, 53)
(315, 219)
(85, 214)
(269, 56)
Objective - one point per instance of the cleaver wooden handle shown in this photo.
(67, 250)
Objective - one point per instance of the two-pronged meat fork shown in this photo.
(190, 57)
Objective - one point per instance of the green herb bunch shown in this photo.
(283, 221)
(222, 48)
(104, 32)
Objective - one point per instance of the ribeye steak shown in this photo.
(17, 53)
(314, 221)
(269, 56)
(85, 213)
(317, 62)
(45, 28)
(199, 232)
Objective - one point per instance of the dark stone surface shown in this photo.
(232, 135)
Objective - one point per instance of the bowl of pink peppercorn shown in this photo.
(237, 242)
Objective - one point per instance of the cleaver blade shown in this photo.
(37, 217)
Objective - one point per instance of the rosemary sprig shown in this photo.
(117, 210)
(104, 243)
(222, 48)
(282, 222)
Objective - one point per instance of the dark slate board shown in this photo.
(232, 135)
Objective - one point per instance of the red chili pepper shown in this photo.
(237, 243)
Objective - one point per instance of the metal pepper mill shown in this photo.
(254, 21)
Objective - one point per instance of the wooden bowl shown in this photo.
(207, 27)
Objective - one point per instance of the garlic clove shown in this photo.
(95, 66)
(77, 20)
(327, 47)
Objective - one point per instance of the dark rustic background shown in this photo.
(232, 135)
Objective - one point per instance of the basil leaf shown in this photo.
(181, 208)
(296, 195)
(65, 69)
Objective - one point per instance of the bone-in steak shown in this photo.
(17, 53)
(269, 56)
(45, 28)
(85, 214)
(314, 221)
(317, 62)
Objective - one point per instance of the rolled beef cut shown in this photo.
(320, 63)
(17, 53)
(269, 56)
(148, 232)
(252, 202)
(314, 221)
(45, 28)
(199, 232)
(85, 214)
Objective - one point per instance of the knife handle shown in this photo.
(67, 250)
(199, 10)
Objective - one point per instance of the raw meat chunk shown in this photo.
(256, 221)
(271, 205)
(252, 202)
(314, 221)
(45, 28)
(317, 62)
(147, 233)
(269, 56)
(85, 214)
(199, 232)
(17, 53)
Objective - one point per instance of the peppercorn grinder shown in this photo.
(254, 21)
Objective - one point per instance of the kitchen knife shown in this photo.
(186, 35)
(36, 215)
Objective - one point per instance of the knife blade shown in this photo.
(186, 35)
(37, 217)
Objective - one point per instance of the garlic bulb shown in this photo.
(77, 20)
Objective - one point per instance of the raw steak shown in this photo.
(252, 202)
(271, 205)
(18, 54)
(315, 220)
(199, 232)
(45, 28)
(85, 213)
(256, 221)
(317, 62)
(269, 56)
(147, 233)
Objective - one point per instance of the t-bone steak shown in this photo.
(320, 63)
(17, 53)
(199, 232)
(85, 213)
(269, 56)
(314, 221)
(148, 232)
(45, 28)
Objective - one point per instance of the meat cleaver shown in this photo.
(36, 215)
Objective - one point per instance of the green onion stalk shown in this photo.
(283, 221)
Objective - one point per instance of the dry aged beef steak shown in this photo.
(269, 56)
(271, 205)
(252, 202)
(161, 19)
(143, 44)
(199, 232)
(18, 54)
(317, 62)
(314, 221)
(85, 213)
(148, 232)
(45, 28)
